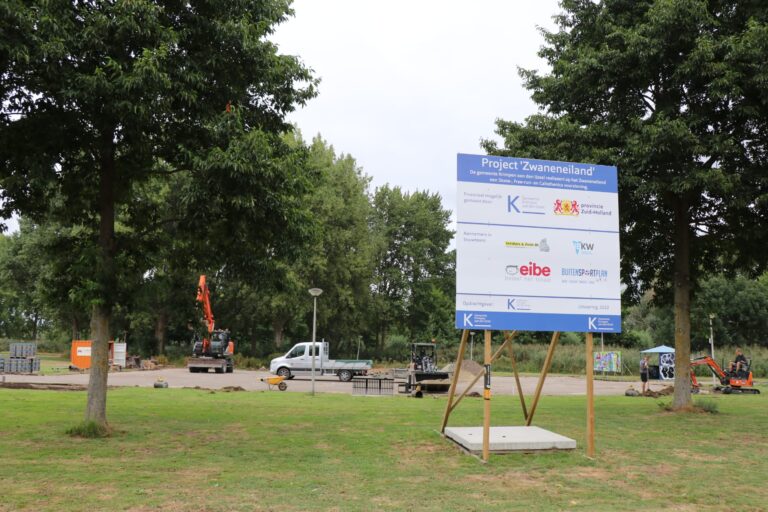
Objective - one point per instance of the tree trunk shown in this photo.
(682, 396)
(35, 321)
(161, 330)
(96, 410)
(106, 277)
(278, 329)
(75, 328)
(382, 338)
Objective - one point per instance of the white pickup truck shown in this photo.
(298, 360)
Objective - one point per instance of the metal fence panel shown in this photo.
(368, 386)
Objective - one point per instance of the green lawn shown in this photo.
(195, 450)
(53, 364)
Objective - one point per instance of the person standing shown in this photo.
(644, 368)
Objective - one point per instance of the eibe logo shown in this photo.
(531, 269)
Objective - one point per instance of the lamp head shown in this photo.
(315, 292)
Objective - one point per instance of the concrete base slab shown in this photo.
(509, 439)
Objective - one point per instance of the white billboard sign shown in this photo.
(537, 245)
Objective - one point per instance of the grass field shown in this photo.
(196, 450)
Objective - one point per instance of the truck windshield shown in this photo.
(296, 351)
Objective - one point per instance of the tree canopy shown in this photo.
(99, 98)
(672, 92)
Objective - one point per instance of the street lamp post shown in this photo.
(315, 293)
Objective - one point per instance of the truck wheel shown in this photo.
(284, 372)
(345, 375)
(220, 370)
(230, 367)
(193, 370)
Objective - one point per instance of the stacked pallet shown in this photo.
(20, 350)
(22, 359)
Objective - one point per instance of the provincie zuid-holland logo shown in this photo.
(572, 208)
(567, 207)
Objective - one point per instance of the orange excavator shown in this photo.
(731, 381)
(215, 349)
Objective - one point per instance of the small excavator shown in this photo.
(217, 348)
(731, 381)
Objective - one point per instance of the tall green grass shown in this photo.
(571, 359)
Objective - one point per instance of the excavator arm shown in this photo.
(713, 366)
(204, 297)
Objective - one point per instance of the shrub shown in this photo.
(89, 430)
(704, 405)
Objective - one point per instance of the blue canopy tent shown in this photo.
(665, 370)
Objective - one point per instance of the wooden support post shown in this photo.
(517, 376)
(542, 377)
(487, 399)
(590, 400)
(455, 380)
(477, 378)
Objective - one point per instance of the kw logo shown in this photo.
(583, 247)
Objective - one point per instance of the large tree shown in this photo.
(412, 281)
(673, 92)
(336, 258)
(97, 97)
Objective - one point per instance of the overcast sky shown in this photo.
(408, 84)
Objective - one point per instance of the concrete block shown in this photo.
(509, 439)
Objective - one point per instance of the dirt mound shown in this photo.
(232, 388)
(669, 390)
(469, 369)
(49, 387)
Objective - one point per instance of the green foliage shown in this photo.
(670, 92)
(673, 93)
(739, 305)
(100, 99)
(413, 281)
